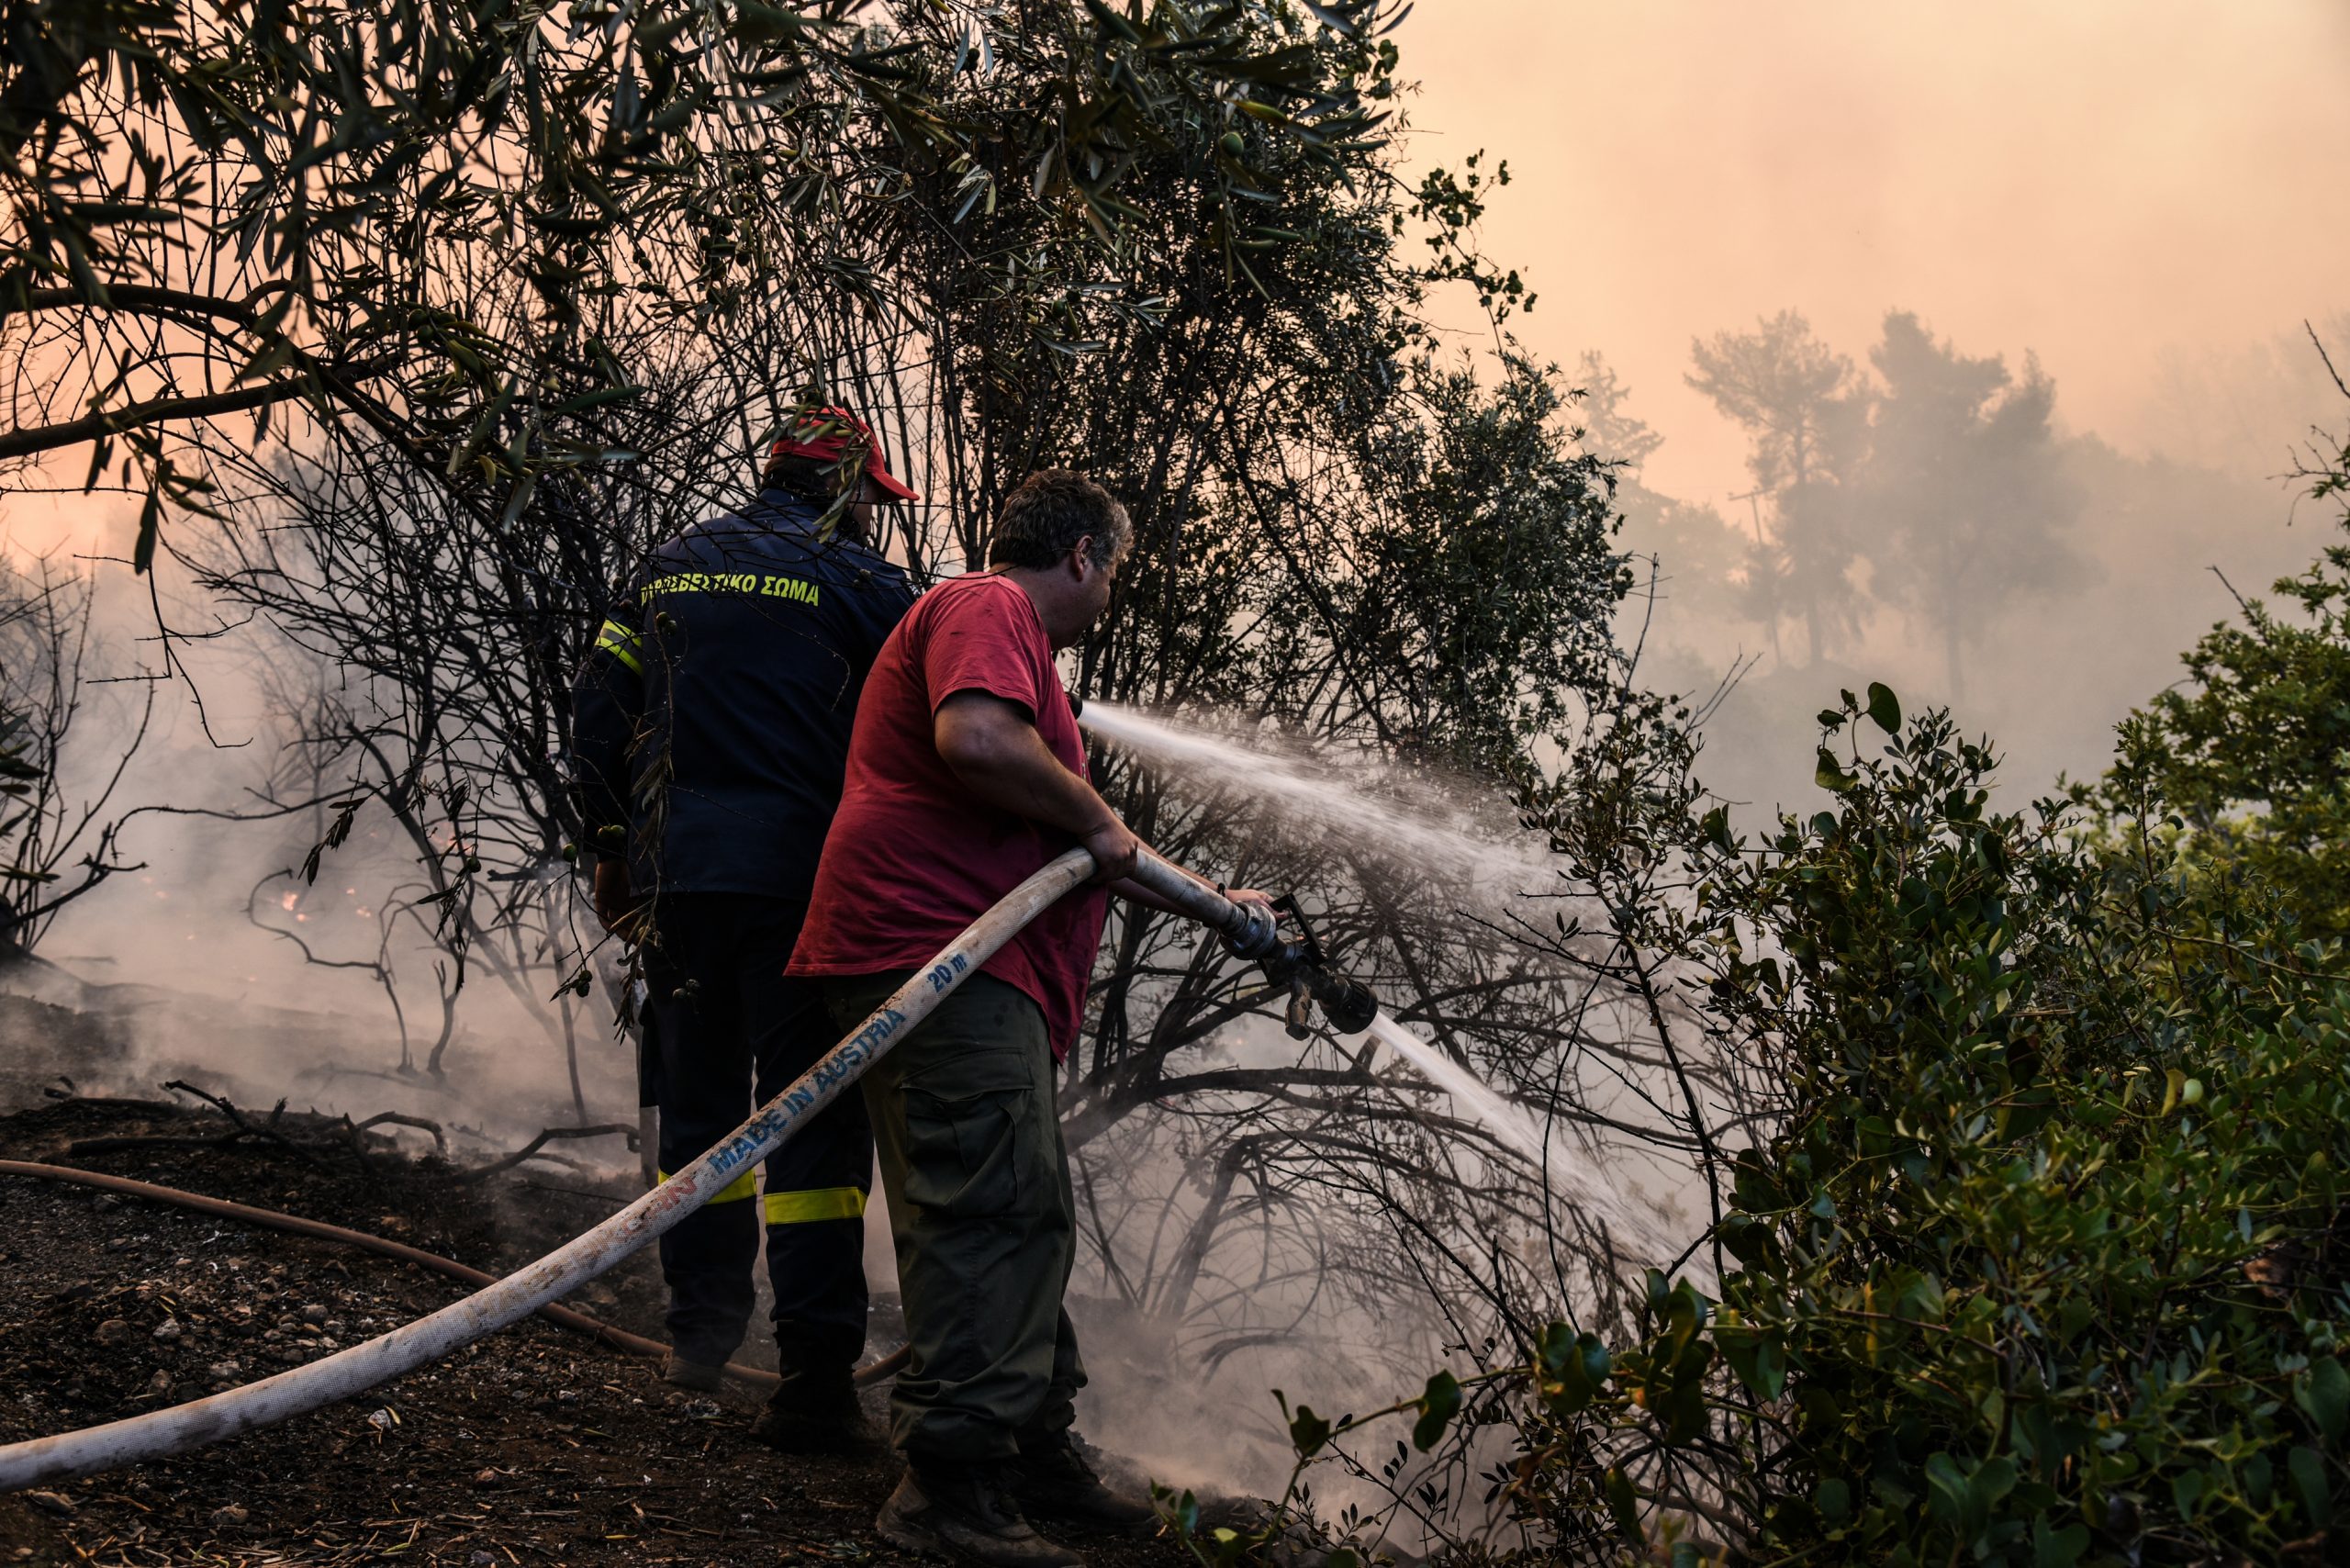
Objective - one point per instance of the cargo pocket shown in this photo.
(973, 1156)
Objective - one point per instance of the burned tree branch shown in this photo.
(627, 1129)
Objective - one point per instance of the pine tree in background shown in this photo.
(1963, 495)
(1807, 413)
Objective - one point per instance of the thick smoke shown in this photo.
(2006, 170)
(2138, 554)
(1683, 169)
(210, 956)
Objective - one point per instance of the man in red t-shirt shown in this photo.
(966, 775)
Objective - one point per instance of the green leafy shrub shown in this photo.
(2041, 1266)
(2244, 768)
(2042, 1262)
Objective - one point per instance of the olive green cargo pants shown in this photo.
(977, 1177)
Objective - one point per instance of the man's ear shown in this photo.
(1082, 551)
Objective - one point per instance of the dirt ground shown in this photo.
(536, 1445)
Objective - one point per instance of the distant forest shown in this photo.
(1928, 515)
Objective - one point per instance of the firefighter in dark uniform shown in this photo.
(711, 724)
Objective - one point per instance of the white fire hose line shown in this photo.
(158, 1433)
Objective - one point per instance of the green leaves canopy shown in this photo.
(427, 218)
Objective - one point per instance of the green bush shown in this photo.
(2244, 767)
(2041, 1263)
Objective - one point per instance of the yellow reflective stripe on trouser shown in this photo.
(735, 1190)
(820, 1203)
(621, 643)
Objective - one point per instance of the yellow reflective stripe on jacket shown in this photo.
(735, 1190)
(621, 643)
(820, 1203)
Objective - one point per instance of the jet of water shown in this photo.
(1412, 823)
(1569, 1173)
(1304, 789)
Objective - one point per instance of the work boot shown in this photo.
(1052, 1481)
(812, 1412)
(960, 1510)
(700, 1377)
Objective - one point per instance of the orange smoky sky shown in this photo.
(2097, 181)
(2101, 182)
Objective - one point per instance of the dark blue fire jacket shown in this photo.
(710, 721)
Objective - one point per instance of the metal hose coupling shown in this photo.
(1259, 937)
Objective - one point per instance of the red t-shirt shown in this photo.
(913, 856)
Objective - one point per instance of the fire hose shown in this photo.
(1251, 932)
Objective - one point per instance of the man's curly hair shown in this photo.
(1052, 509)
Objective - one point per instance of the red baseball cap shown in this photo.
(828, 434)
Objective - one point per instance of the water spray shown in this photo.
(1299, 966)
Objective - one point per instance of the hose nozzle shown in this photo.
(1252, 931)
(1348, 1004)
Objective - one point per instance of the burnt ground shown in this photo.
(536, 1445)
